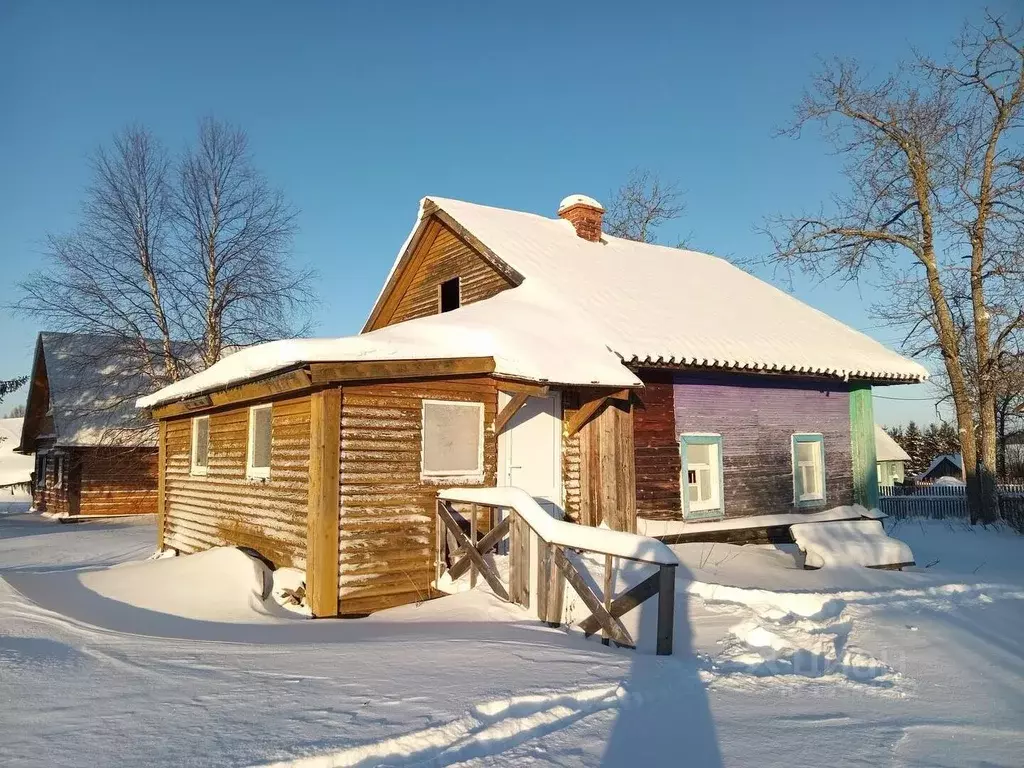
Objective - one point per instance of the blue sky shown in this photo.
(359, 110)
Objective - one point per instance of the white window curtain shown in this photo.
(453, 439)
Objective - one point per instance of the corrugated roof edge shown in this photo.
(763, 367)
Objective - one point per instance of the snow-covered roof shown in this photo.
(887, 449)
(525, 348)
(93, 385)
(585, 308)
(15, 468)
(652, 303)
(954, 458)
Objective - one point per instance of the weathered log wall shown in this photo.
(116, 481)
(387, 515)
(223, 506)
(60, 500)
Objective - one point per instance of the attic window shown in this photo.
(450, 295)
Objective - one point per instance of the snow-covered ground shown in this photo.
(160, 664)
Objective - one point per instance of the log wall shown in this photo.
(571, 503)
(387, 512)
(117, 481)
(223, 507)
(62, 500)
(756, 417)
(445, 257)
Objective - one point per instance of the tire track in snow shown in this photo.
(488, 729)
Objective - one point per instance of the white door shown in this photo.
(530, 450)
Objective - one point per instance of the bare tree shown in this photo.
(935, 204)
(105, 278)
(235, 231)
(641, 205)
(173, 262)
(16, 412)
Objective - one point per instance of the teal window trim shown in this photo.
(809, 437)
(684, 486)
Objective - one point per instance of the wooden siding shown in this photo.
(117, 481)
(756, 417)
(223, 507)
(607, 474)
(446, 256)
(387, 513)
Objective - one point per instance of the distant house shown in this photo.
(15, 469)
(95, 454)
(890, 457)
(616, 382)
(944, 466)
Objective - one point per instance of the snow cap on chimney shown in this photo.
(585, 214)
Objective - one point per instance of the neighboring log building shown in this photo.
(614, 381)
(95, 453)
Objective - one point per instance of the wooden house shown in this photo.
(890, 458)
(95, 453)
(945, 466)
(616, 382)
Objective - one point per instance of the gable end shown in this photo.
(439, 250)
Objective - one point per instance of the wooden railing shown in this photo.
(538, 540)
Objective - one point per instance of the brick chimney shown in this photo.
(585, 214)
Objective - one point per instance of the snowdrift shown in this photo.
(220, 584)
(850, 543)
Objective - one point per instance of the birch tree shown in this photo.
(236, 284)
(936, 205)
(105, 278)
(174, 262)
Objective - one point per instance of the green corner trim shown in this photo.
(862, 446)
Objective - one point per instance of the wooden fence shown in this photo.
(946, 502)
(460, 549)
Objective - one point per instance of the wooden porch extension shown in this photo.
(539, 566)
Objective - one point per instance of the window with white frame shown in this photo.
(200, 445)
(702, 475)
(260, 423)
(808, 470)
(58, 481)
(453, 440)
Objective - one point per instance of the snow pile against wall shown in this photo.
(850, 543)
(220, 584)
(649, 527)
